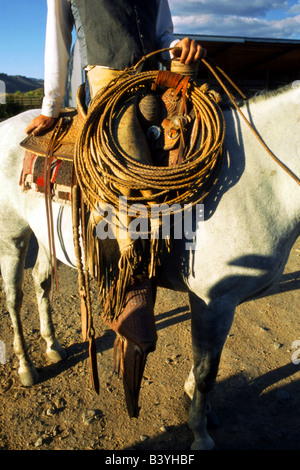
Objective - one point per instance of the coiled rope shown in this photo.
(101, 165)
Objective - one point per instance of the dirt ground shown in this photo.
(256, 397)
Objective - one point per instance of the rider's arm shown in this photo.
(57, 55)
(190, 49)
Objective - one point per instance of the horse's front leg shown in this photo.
(12, 254)
(42, 279)
(210, 326)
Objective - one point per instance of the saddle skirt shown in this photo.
(33, 177)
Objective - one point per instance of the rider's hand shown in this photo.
(40, 124)
(190, 52)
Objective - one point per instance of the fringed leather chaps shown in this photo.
(136, 338)
(129, 302)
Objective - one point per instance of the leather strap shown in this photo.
(83, 282)
(48, 202)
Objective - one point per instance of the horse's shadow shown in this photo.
(245, 413)
(78, 352)
(241, 418)
(288, 283)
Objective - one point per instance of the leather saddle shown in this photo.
(71, 121)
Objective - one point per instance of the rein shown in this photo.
(48, 203)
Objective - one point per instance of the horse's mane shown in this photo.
(264, 95)
(258, 97)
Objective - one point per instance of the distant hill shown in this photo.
(15, 83)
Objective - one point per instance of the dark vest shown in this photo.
(115, 33)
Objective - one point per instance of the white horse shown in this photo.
(251, 223)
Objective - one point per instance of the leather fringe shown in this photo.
(48, 202)
(113, 271)
(113, 274)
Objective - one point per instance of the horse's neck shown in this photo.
(277, 120)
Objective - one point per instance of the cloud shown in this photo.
(295, 9)
(257, 18)
(226, 7)
(238, 26)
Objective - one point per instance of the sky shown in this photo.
(23, 23)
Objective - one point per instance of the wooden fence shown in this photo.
(29, 102)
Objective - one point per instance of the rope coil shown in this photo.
(101, 164)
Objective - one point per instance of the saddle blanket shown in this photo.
(32, 177)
